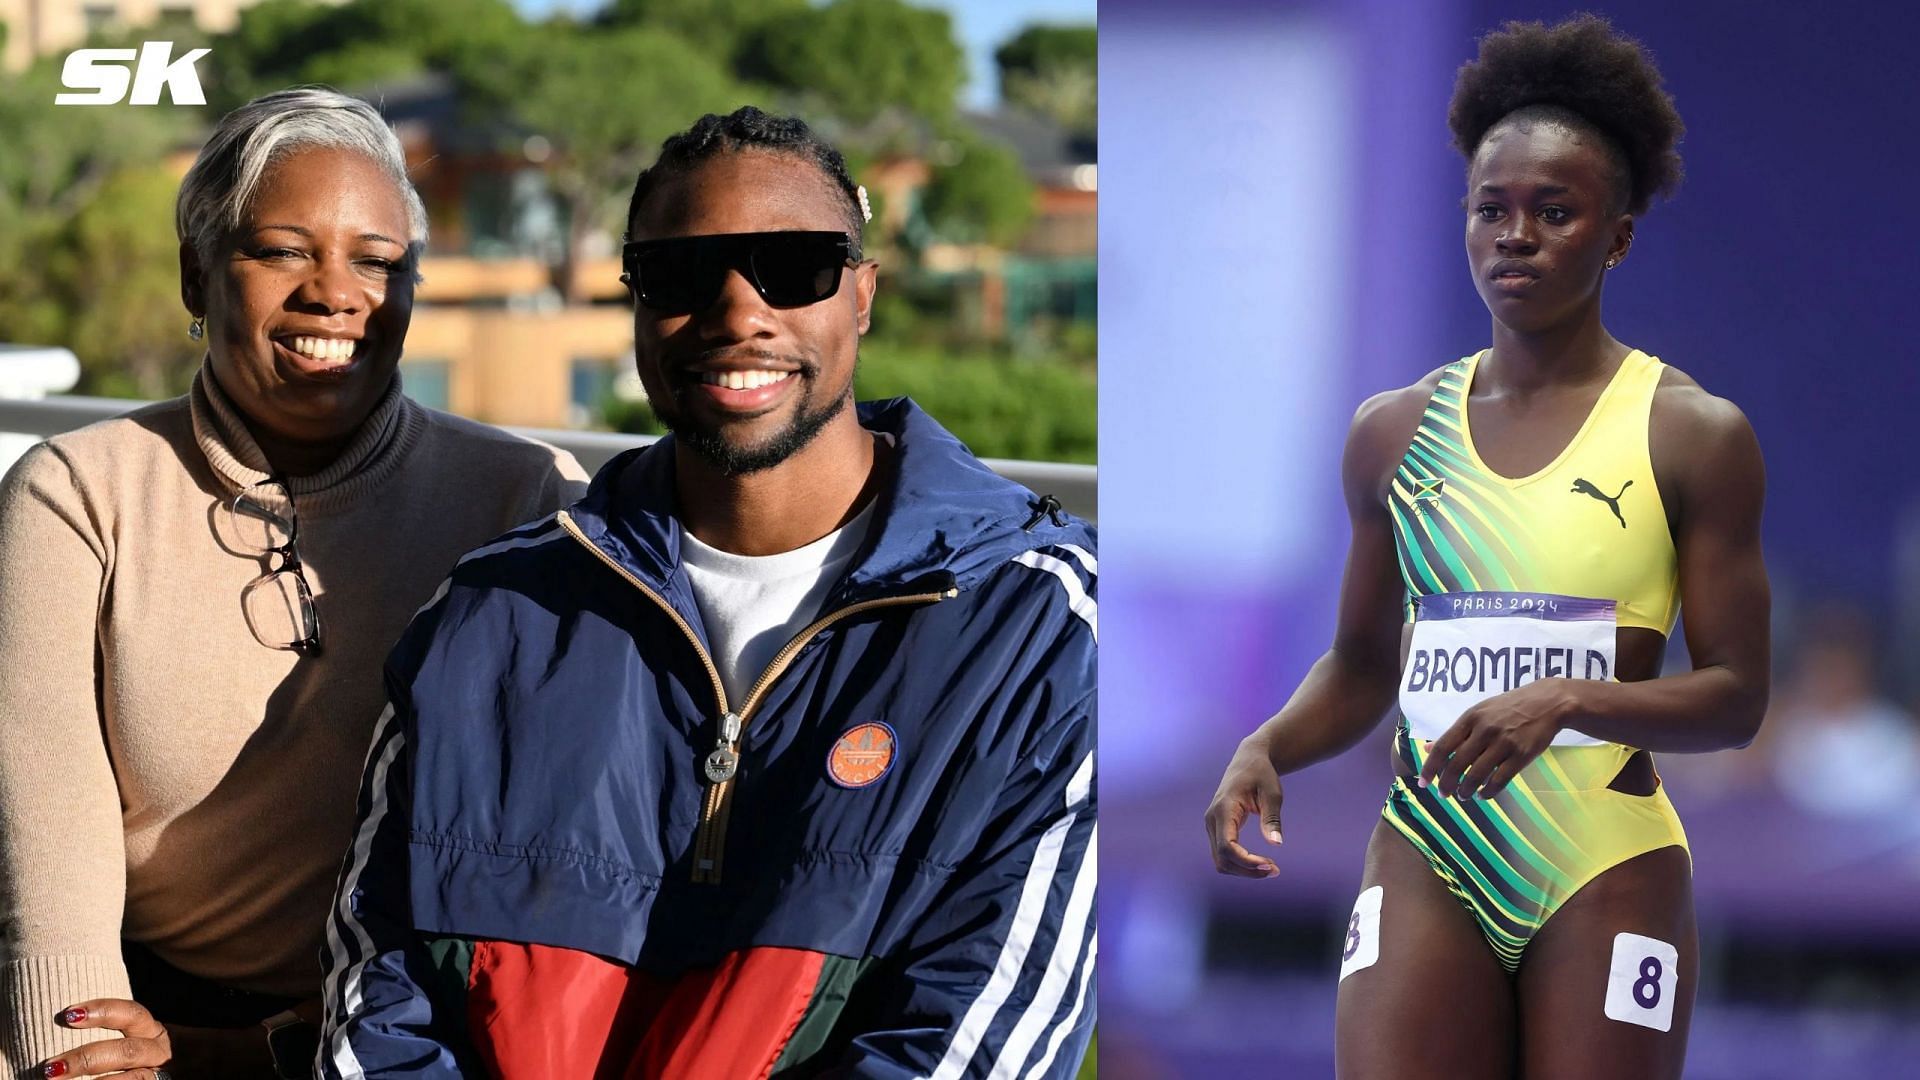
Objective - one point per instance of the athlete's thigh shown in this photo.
(1435, 1002)
(1593, 1004)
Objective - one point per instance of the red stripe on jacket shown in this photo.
(537, 1011)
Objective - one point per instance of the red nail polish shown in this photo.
(54, 1068)
(73, 1016)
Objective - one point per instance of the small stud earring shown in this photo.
(1611, 263)
(197, 329)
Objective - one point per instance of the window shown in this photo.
(592, 384)
(426, 382)
(514, 214)
(100, 16)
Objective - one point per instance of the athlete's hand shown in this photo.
(1250, 786)
(1492, 741)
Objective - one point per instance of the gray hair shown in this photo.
(217, 192)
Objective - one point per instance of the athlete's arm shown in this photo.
(1705, 454)
(1351, 687)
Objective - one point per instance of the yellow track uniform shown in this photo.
(1510, 580)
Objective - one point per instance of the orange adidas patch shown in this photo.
(861, 756)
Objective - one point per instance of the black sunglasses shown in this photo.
(685, 274)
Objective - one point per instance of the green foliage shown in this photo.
(860, 57)
(263, 50)
(280, 43)
(1040, 47)
(364, 63)
(719, 28)
(122, 282)
(87, 253)
(1053, 70)
(56, 159)
(985, 195)
(914, 309)
(632, 417)
(663, 85)
(1077, 340)
(104, 282)
(608, 129)
(999, 406)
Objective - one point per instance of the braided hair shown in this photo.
(1584, 75)
(749, 128)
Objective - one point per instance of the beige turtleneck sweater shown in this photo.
(163, 776)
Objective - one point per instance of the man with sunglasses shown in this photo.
(771, 756)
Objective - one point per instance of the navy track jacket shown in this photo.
(577, 858)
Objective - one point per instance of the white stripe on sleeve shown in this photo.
(1077, 599)
(1059, 974)
(1027, 917)
(1082, 556)
(342, 990)
(1065, 1027)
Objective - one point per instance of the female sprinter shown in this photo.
(1527, 522)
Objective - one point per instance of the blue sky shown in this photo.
(982, 25)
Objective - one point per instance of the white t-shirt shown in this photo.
(754, 604)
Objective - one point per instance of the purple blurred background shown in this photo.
(1280, 240)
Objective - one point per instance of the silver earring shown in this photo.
(197, 329)
(1611, 263)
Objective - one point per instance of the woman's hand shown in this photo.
(1492, 741)
(144, 1048)
(148, 1047)
(1250, 786)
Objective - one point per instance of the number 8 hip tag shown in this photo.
(1641, 981)
(1361, 948)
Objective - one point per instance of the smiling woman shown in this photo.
(195, 601)
(316, 245)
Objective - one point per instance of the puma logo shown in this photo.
(1613, 501)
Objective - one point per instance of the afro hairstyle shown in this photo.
(1583, 74)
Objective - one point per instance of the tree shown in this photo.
(606, 128)
(985, 195)
(719, 28)
(270, 41)
(287, 42)
(56, 158)
(65, 183)
(1053, 70)
(861, 57)
(120, 281)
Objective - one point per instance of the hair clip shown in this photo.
(866, 208)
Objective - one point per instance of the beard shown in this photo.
(729, 457)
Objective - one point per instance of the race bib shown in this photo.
(1642, 980)
(1468, 647)
(1362, 948)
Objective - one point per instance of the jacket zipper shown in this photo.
(719, 765)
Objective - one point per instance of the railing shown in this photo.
(1074, 485)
